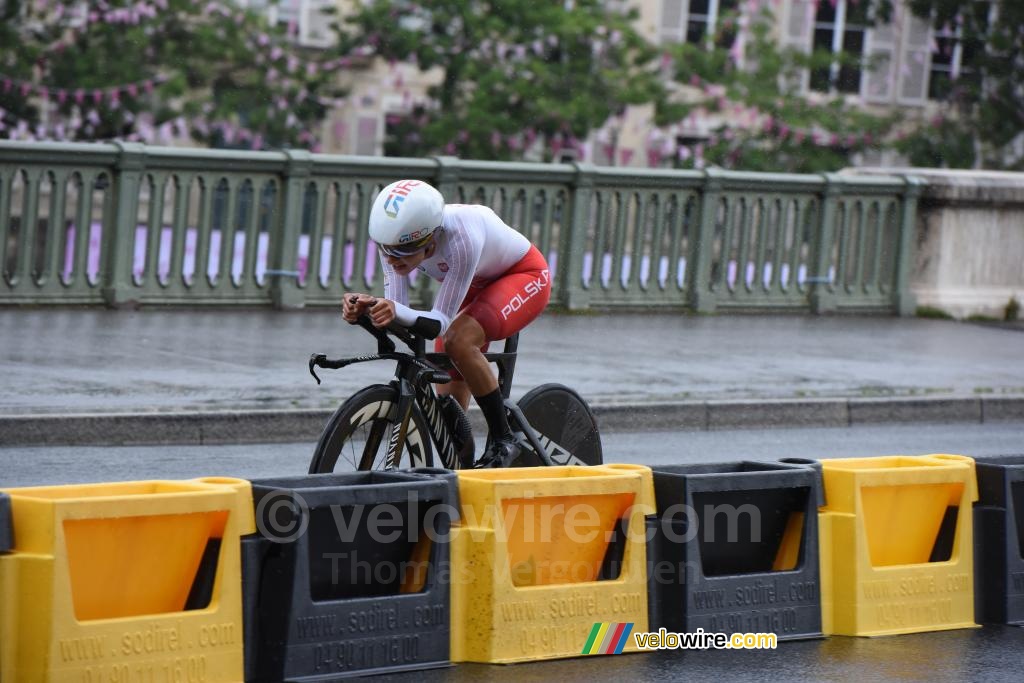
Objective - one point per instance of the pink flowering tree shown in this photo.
(514, 73)
(156, 71)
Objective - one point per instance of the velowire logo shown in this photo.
(607, 638)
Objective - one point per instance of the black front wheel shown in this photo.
(357, 435)
(565, 424)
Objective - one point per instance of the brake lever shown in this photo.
(314, 360)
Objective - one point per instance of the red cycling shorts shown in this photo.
(510, 302)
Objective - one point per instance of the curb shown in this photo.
(284, 426)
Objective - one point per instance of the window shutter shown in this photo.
(601, 152)
(879, 74)
(673, 21)
(366, 138)
(798, 24)
(797, 28)
(915, 59)
(315, 23)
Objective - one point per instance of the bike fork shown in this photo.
(396, 444)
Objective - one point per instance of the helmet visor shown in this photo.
(403, 250)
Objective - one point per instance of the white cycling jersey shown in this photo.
(474, 246)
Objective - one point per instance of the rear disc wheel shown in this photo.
(565, 424)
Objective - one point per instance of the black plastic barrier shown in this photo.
(6, 534)
(734, 549)
(999, 540)
(349, 574)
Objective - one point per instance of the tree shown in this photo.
(154, 70)
(982, 115)
(512, 71)
(745, 80)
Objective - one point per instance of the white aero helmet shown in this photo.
(405, 214)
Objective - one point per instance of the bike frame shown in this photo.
(414, 378)
(415, 375)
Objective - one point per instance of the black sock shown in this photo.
(492, 406)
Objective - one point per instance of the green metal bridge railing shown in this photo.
(121, 224)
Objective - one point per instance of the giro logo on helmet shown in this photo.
(398, 194)
(414, 236)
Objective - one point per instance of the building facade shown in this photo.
(903, 63)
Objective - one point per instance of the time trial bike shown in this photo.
(407, 424)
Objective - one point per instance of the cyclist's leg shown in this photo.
(502, 308)
(463, 342)
(492, 312)
(457, 388)
(513, 301)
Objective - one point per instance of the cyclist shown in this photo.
(494, 282)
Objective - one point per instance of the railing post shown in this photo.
(572, 245)
(698, 278)
(446, 179)
(822, 298)
(118, 235)
(904, 302)
(284, 243)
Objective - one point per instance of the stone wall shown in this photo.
(969, 252)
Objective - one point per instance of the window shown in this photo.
(698, 21)
(946, 56)
(311, 20)
(839, 27)
(953, 57)
(695, 21)
(903, 61)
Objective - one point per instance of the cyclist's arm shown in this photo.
(396, 289)
(463, 259)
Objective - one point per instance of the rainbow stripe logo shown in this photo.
(607, 638)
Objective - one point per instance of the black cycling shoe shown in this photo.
(500, 452)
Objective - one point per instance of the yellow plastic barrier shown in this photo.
(131, 581)
(896, 538)
(535, 560)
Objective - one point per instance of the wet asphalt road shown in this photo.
(990, 654)
(96, 361)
